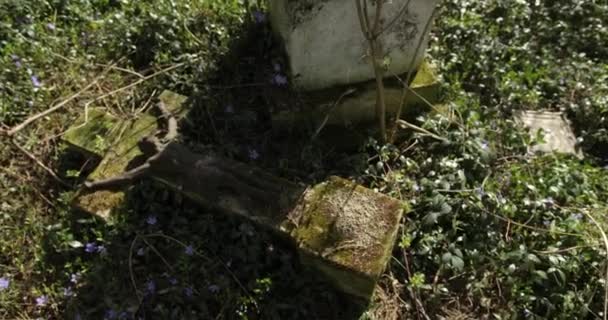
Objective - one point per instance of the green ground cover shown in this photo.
(494, 232)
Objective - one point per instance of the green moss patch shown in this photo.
(351, 228)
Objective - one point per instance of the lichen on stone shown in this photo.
(349, 228)
(303, 10)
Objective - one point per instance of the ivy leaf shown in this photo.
(431, 218)
(446, 258)
(457, 263)
(75, 244)
(541, 274)
(533, 258)
(445, 208)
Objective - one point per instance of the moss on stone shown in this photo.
(92, 131)
(116, 141)
(426, 75)
(348, 232)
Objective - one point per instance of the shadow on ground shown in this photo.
(162, 257)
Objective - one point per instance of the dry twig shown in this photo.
(410, 73)
(56, 107)
(41, 165)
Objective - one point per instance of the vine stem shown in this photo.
(605, 238)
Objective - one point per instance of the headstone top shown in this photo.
(326, 47)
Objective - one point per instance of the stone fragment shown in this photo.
(115, 141)
(326, 47)
(341, 229)
(358, 107)
(558, 136)
(347, 232)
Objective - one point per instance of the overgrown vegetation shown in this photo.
(495, 233)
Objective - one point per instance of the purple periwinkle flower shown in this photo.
(16, 61)
(35, 82)
(4, 283)
(68, 292)
(188, 292)
(90, 247)
(259, 16)
(279, 80)
(173, 281)
(214, 288)
(140, 252)
(151, 287)
(253, 154)
(484, 145)
(42, 301)
(151, 220)
(102, 250)
(74, 278)
(576, 216)
(189, 250)
(110, 314)
(50, 26)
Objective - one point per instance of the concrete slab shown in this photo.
(359, 106)
(556, 128)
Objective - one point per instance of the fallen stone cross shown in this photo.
(342, 230)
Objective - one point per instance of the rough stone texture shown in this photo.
(326, 47)
(115, 141)
(227, 185)
(359, 107)
(347, 232)
(94, 130)
(558, 135)
(343, 230)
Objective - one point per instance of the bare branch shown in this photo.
(406, 124)
(56, 107)
(410, 73)
(362, 20)
(171, 121)
(120, 181)
(395, 19)
(377, 19)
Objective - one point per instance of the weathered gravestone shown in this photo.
(326, 47)
(328, 56)
(344, 231)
